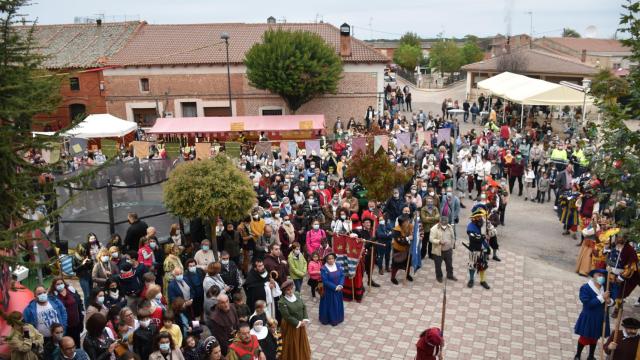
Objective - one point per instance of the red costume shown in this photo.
(429, 346)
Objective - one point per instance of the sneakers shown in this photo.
(485, 285)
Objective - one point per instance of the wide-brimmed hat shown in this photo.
(287, 284)
(631, 323)
(597, 271)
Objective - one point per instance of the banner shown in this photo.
(404, 139)
(109, 148)
(52, 155)
(140, 149)
(312, 145)
(424, 136)
(284, 149)
(359, 144)
(232, 148)
(293, 149)
(203, 151)
(348, 253)
(444, 135)
(77, 146)
(380, 141)
(264, 148)
(173, 150)
(416, 244)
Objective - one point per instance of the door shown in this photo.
(77, 110)
(145, 117)
(189, 109)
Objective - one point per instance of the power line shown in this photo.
(376, 31)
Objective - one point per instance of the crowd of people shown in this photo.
(238, 295)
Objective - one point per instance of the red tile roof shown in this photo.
(538, 62)
(77, 46)
(590, 44)
(191, 44)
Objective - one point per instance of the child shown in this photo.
(275, 332)
(543, 186)
(242, 309)
(313, 268)
(259, 313)
(171, 328)
(191, 350)
(529, 178)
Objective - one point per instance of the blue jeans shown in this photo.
(383, 254)
(85, 284)
(298, 284)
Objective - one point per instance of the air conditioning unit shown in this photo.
(168, 114)
(21, 273)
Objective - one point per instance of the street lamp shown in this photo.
(225, 36)
(586, 87)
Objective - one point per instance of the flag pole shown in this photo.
(444, 313)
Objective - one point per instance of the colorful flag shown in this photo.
(444, 134)
(380, 141)
(416, 245)
(404, 139)
(312, 145)
(348, 253)
(359, 144)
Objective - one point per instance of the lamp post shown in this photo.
(586, 87)
(225, 36)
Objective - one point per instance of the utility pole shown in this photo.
(530, 13)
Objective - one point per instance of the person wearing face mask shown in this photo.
(287, 235)
(72, 303)
(297, 266)
(450, 206)
(205, 255)
(44, 310)
(113, 295)
(394, 206)
(268, 343)
(429, 216)
(443, 238)
(144, 335)
(324, 195)
(478, 248)
(104, 268)
(314, 237)
(165, 348)
(145, 252)
(589, 325)
(624, 344)
(24, 341)
(178, 287)
(254, 285)
(343, 224)
(52, 347)
(194, 277)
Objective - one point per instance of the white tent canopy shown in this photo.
(529, 91)
(98, 126)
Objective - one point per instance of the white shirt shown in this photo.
(46, 316)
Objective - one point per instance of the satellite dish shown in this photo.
(591, 31)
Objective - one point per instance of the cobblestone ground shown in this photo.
(519, 318)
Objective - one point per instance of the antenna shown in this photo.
(530, 13)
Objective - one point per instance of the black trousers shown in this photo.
(447, 256)
(425, 248)
(512, 181)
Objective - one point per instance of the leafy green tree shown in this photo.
(209, 189)
(25, 90)
(471, 53)
(407, 56)
(445, 56)
(297, 65)
(606, 86)
(411, 38)
(618, 153)
(567, 32)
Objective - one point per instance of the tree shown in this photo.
(617, 157)
(376, 173)
(567, 32)
(471, 52)
(411, 38)
(606, 86)
(25, 185)
(297, 65)
(445, 56)
(515, 62)
(209, 189)
(407, 56)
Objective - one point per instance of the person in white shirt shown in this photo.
(529, 179)
(468, 169)
(205, 255)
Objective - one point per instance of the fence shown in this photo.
(115, 191)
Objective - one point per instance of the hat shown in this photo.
(287, 284)
(262, 333)
(209, 344)
(597, 271)
(480, 212)
(631, 323)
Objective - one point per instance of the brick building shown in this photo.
(180, 71)
(78, 52)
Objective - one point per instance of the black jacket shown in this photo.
(229, 274)
(254, 288)
(135, 231)
(143, 341)
(96, 349)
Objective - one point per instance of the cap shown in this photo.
(597, 271)
(631, 323)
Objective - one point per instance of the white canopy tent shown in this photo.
(529, 91)
(98, 126)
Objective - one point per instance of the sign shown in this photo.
(305, 124)
(77, 146)
(173, 150)
(203, 151)
(237, 126)
(109, 148)
(140, 149)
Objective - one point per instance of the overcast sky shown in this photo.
(388, 19)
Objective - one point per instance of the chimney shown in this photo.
(583, 56)
(271, 20)
(99, 22)
(345, 40)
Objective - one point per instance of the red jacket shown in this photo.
(505, 132)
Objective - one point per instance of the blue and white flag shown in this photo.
(416, 244)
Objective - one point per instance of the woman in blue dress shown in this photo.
(589, 325)
(331, 306)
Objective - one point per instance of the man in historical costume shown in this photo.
(353, 281)
(624, 344)
(224, 322)
(623, 263)
(594, 299)
(402, 236)
(245, 345)
(569, 212)
(260, 286)
(478, 248)
(366, 234)
(584, 264)
(430, 344)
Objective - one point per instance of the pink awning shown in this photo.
(194, 125)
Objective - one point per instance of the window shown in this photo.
(76, 110)
(214, 111)
(145, 117)
(189, 109)
(74, 83)
(616, 66)
(270, 111)
(144, 84)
